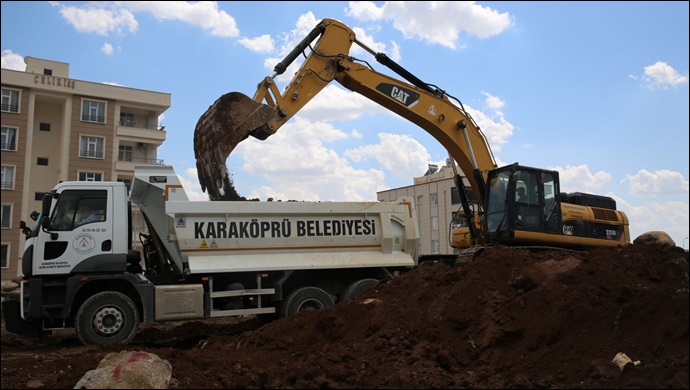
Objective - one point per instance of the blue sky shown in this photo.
(595, 90)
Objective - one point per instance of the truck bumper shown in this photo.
(14, 323)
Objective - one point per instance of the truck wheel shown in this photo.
(108, 317)
(305, 298)
(357, 288)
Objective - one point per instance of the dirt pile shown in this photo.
(509, 319)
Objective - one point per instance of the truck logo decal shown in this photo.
(405, 96)
(283, 229)
(181, 222)
(84, 243)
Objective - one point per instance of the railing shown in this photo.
(92, 118)
(140, 122)
(10, 108)
(7, 185)
(156, 161)
(91, 153)
(9, 146)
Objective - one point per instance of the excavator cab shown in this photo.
(523, 200)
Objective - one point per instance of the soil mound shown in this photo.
(511, 318)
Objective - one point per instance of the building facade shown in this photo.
(438, 206)
(55, 128)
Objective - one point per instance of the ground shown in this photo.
(509, 319)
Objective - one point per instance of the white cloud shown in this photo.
(308, 170)
(377, 47)
(335, 103)
(104, 18)
(659, 183)
(262, 44)
(497, 131)
(10, 60)
(98, 20)
(400, 154)
(669, 217)
(107, 48)
(580, 179)
(493, 102)
(661, 75)
(190, 183)
(204, 14)
(435, 22)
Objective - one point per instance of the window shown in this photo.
(92, 111)
(6, 216)
(5, 256)
(455, 196)
(435, 247)
(90, 176)
(434, 223)
(47, 72)
(10, 100)
(125, 153)
(78, 207)
(44, 126)
(9, 138)
(42, 161)
(127, 119)
(434, 199)
(39, 195)
(7, 178)
(92, 147)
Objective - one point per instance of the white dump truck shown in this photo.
(197, 259)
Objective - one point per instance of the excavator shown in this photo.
(543, 217)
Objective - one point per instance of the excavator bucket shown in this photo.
(230, 119)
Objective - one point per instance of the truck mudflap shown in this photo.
(14, 323)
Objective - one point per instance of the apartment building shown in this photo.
(438, 205)
(55, 128)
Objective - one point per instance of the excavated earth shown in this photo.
(509, 319)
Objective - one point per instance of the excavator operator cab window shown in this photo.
(526, 210)
(496, 208)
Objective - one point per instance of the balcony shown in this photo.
(127, 165)
(141, 126)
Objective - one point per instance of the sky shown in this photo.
(595, 90)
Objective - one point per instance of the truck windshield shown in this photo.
(73, 207)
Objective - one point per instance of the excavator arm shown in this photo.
(234, 116)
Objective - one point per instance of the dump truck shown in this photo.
(198, 259)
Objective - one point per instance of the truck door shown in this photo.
(80, 231)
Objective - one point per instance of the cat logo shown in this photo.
(203, 245)
(405, 96)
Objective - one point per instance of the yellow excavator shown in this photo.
(493, 204)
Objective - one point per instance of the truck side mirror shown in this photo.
(45, 210)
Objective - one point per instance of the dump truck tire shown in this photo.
(108, 317)
(305, 298)
(357, 288)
